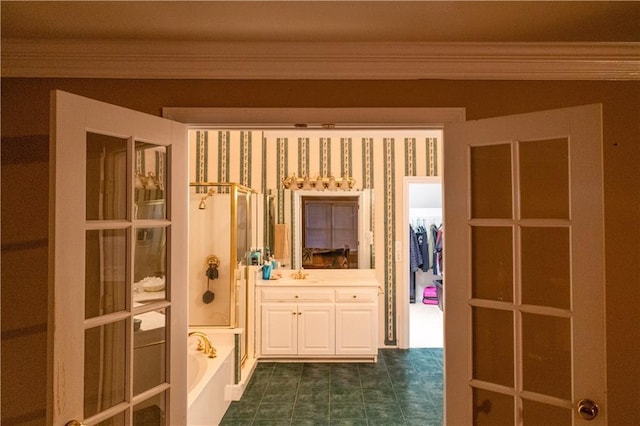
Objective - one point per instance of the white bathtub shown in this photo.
(208, 378)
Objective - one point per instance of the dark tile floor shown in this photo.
(403, 388)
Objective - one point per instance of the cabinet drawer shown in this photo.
(304, 295)
(356, 295)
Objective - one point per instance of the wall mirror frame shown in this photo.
(365, 231)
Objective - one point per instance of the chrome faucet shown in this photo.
(204, 344)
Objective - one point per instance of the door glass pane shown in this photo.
(492, 408)
(546, 355)
(493, 346)
(106, 177)
(536, 413)
(151, 411)
(490, 170)
(149, 209)
(104, 367)
(117, 420)
(243, 229)
(105, 271)
(546, 267)
(150, 181)
(544, 179)
(492, 262)
(149, 350)
(150, 264)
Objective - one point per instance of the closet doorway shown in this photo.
(425, 262)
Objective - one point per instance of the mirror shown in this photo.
(331, 229)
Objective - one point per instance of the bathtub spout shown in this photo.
(204, 344)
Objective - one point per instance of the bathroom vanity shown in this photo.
(327, 315)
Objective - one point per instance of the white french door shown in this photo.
(118, 256)
(524, 272)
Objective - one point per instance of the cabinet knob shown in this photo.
(354, 296)
(296, 296)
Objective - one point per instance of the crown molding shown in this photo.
(333, 61)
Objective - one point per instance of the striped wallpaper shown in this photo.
(376, 159)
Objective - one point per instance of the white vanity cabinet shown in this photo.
(323, 322)
(356, 321)
(298, 329)
(297, 321)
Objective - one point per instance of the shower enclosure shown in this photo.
(220, 228)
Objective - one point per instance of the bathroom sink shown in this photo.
(292, 281)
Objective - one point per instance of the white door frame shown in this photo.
(343, 118)
(402, 290)
(308, 118)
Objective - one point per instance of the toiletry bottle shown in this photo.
(266, 270)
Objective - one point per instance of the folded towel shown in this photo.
(281, 249)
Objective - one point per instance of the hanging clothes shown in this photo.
(438, 254)
(415, 255)
(423, 245)
(433, 233)
(415, 262)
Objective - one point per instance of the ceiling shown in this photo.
(565, 40)
(325, 21)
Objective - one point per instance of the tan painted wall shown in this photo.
(25, 116)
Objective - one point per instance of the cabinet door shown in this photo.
(279, 329)
(356, 329)
(316, 329)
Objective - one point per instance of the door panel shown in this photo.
(118, 218)
(355, 329)
(279, 332)
(524, 274)
(316, 329)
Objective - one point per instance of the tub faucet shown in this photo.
(204, 344)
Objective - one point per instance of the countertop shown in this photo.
(320, 278)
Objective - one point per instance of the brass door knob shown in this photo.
(587, 409)
(74, 423)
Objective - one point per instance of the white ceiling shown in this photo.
(329, 21)
(425, 195)
(322, 39)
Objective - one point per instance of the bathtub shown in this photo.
(208, 379)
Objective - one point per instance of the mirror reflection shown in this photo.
(149, 181)
(329, 232)
(150, 250)
(331, 229)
